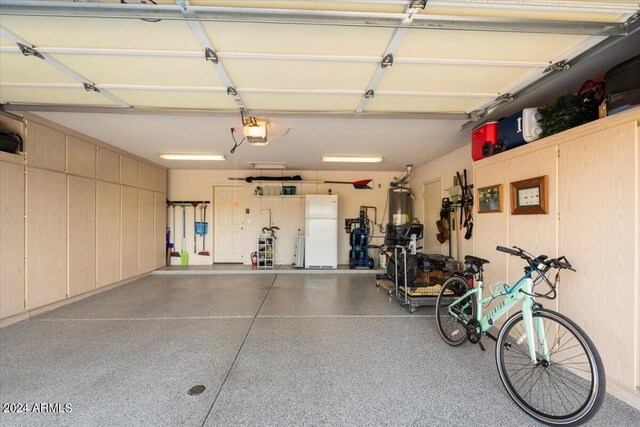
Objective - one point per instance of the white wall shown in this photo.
(443, 168)
(288, 214)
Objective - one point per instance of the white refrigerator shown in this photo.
(321, 231)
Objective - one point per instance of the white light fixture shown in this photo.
(256, 130)
(216, 157)
(352, 159)
(268, 165)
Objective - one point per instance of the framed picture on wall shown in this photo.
(490, 199)
(530, 196)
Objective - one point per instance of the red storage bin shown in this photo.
(484, 140)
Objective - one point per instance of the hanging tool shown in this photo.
(203, 229)
(184, 255)
(174, 252)
(195, 232)
(363, 184)
(466, 204)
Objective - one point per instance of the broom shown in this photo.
(184, 255)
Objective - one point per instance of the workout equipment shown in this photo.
(546, 362)
(360, 233)
(519, 128)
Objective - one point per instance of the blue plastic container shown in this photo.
(202, 228)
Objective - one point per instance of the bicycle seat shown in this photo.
(470, 259)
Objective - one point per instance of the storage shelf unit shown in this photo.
(266, 252)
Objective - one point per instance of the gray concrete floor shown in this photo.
(271, 349)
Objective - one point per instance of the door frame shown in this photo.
(240, 187)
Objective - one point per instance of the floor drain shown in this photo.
(196, 390)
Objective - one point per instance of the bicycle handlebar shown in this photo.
(560, 263)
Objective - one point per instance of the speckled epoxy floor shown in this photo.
(271, 350)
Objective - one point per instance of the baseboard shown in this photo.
(36, 311)
(630, 397)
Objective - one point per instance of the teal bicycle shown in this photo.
(546, 362)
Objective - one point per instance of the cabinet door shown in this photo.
(128, 171)
(45, 147)
(129, 235)
(11, 239)
(597, 233)
(108, 165)
(146, 176)
(82, 235)
(81, 158)
(145, 232)
(108, 257)
(46, 237)
(160, 228)
(160, 180)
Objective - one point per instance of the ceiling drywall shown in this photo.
(399, 141)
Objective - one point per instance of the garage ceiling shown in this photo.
(317, 67)
(320, 56)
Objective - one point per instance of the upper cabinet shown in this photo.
(108, 165)
(160, 180)
(45, 148)
(145, 176)
(81, 157)
(128, 171)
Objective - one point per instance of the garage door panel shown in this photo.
(451, 78)
(176, 99)
(523, 13)
(17, 68)
(143, 70)
(297, 39)
(102, 33)
(485, 45)
(300, 102)
(64, 96)
(423, 104)
(285, 74)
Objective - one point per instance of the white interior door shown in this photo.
(228, 220)
(432, 205)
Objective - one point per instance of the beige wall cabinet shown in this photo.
(160, 225)
(129, 232)
(82, 235)
(597, 234)
(108, 165)
(45, 147)
(160, 180)
(108, 255)
(146, 176)
(12, 273)
(128, 171)
(593, 218)
(81, 157)
(46, 237)
(145, 231)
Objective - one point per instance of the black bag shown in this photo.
(622, 85)
(10, 142)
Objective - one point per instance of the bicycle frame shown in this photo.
(508, 297)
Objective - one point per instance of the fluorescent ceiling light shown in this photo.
(192, 156)
(352, 159)
(268, 165)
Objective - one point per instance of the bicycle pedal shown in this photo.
(481, 346)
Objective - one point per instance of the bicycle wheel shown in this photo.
(451, 328)
(567, 384)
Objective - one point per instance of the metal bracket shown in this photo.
(505, 97)
(558, 66)
(418, 4)
(210, 55)
(387, 61)
(232, 91)
(90, 87)
(369, 94)
(632, 19)
(29, 51)
(476, 115)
